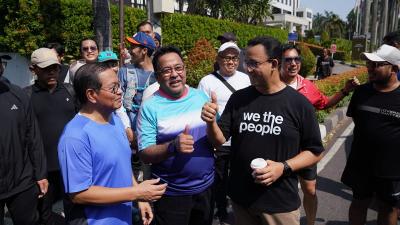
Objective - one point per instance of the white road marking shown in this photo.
(332, 151)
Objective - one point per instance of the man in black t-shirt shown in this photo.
(373, 167)
(267, 120)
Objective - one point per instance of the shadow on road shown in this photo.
(333, 187)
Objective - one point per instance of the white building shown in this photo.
(289, 14)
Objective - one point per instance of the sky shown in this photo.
(340, 7)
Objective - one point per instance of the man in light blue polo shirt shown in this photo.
(94, 156)
(172, 136)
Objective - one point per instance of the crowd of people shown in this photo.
(134, 144)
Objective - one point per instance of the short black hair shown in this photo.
(87, 77)
(57, 46)
(162, 51)
(272, 46)
(88, 39)
(392, 38)
(145, 22)
(290, 46)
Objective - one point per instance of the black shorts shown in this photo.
(309, 173)
(366, 186)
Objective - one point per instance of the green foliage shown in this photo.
(184, 30)
(200, 62)
(32, 23)
(308, 61)
(23, 30)
(324, 37)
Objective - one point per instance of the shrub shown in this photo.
(332, 84)
(184, 30)
(200, 62)
(28, 27)
(308, 61)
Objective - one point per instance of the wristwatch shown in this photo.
(287, 171)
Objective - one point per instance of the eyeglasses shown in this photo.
(373, 64)
(296, 59)
(226, 59)
(92, 48)
(114, 89)
(251, 64)
(167, 71)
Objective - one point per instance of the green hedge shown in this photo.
(28, 28)
(184, 30)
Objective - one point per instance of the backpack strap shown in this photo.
(70, 89)
(217, 75)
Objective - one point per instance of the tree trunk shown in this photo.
(396, 18)
(181, 2)
(102, 24)
(374, 25)
(367, 9)
(385, 16)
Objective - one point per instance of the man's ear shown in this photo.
(91, 95)
(275, 64)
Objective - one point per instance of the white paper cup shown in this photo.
(258, 163)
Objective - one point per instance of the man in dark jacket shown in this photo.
(53, 104)
(22, 159)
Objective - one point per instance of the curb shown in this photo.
(332, 120)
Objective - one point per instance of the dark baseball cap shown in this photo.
(229, 36)
(6, 57)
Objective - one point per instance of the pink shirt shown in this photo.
(311, 92)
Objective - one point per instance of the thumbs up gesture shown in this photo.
(184, 141)
(210, 109)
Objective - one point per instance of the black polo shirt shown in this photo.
(53, 111)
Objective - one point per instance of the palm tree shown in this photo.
(318, 21)
(334, 25)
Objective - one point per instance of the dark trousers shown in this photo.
(222, 162)
(22, 207)
(185, 210)
(55, 192)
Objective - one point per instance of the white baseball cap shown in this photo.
(227, 45)
(385, 53)
(44, 57)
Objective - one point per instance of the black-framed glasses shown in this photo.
(92, 48)
(167, 71)
(288, 60)
(226, 59)
(373, 64)
(114, 89)
(252, 64)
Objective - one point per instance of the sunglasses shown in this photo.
(296, 59)
(86, 48)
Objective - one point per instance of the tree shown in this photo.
(102, 23)
(351, 23)
(250, 11)
(334, 25)
(318, 23)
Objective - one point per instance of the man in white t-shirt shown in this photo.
(223, 83)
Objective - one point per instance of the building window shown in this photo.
(276, 10)
(309, 15)
(299, 14)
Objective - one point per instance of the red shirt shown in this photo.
(311, 92)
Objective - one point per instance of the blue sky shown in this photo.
(340, 7)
